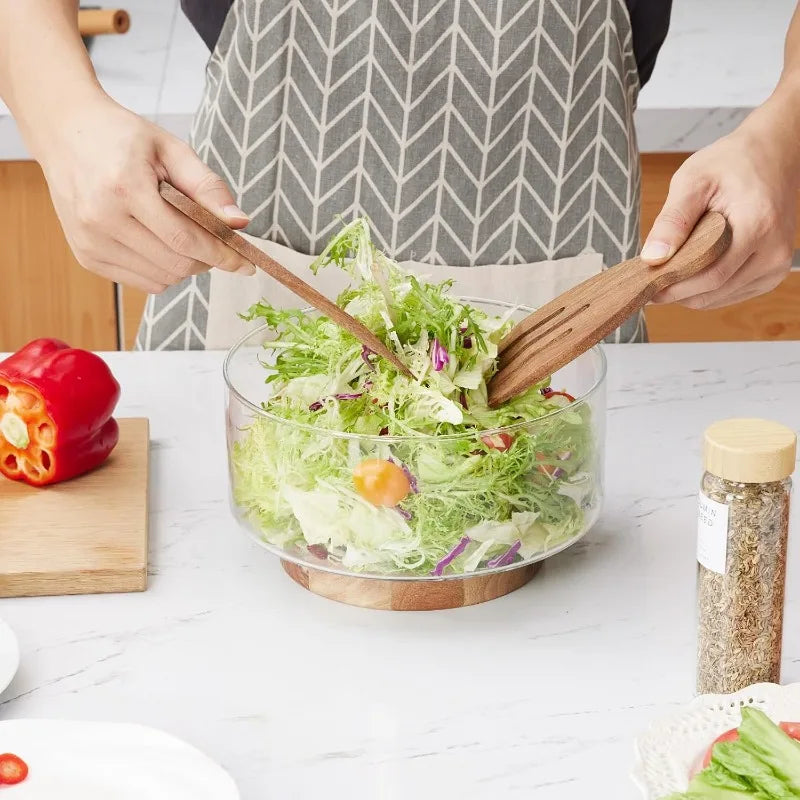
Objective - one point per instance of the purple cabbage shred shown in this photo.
(318, 550)
(440, 358)
(412, 481)
(450, 557)
(349, 396)
(315, 406)
(365, 354)
(504, 559)
(407, 515)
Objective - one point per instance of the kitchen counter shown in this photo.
(721, 59)
(537, 695)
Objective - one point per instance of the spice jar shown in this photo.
(743, 528)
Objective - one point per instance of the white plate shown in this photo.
(9, 656)
(98, 761)
(672, 748)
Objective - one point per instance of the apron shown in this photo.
(491, 143)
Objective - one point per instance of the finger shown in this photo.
(686, 202)
(143, 241)
(183, 236)
(712, 279)
(120, 255)
(186, 172)
(750, 281)
(128, 278)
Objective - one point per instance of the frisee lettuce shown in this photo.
(292, 468)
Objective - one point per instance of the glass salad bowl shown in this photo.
(415, 507)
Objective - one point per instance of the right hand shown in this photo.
(103, 165)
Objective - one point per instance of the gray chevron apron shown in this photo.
(488, 142)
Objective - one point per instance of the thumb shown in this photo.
(187, 173)
(686, 202)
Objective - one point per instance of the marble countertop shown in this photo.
(721, 59)
(536, 695)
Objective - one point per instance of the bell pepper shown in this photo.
(56, 404)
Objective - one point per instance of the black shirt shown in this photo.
(649, 21)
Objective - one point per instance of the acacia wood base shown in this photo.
(420, 595)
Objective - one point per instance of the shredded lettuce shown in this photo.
(292, 469)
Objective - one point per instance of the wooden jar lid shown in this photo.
(750, 450)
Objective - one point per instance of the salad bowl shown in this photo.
(479, 509)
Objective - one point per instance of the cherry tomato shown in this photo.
(380, 482)
(551, 470)
(12, 769)
(498, 441)
(790, 728)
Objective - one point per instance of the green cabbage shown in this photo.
(292, 474)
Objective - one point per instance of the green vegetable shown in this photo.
(774, 747)
(763, 763)
(292, 467)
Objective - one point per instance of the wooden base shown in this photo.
(422, 595)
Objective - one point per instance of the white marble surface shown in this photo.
(537, 695)
(721, 59)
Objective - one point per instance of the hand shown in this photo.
(103, 165)
(751, 177)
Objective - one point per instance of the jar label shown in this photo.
(712, 534)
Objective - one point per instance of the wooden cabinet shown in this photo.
(46, 293)
(43, 289)
(774, 316)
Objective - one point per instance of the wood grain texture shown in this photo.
(45, 292)
(389, 595)
(131, 308)
(84, 536)
(771, 317)
(569, 325)
(98, 21)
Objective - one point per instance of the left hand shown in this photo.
(751, 178)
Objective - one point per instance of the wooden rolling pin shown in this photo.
(97, 21)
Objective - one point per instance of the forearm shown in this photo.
(44, 66)
(776, 122)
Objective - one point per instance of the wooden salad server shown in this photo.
(216, 227)
(578, 319)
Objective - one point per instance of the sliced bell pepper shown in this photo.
(56, 404)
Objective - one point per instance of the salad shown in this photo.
(759, 760)
(357, 465)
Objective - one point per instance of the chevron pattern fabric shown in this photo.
(468, 132)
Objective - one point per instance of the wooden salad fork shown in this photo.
(578, 319)
(216, 227)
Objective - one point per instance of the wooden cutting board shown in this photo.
(83, 536)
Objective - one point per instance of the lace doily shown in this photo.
(671, 749)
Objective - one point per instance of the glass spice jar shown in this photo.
(743, 529)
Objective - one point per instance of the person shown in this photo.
(493, 142)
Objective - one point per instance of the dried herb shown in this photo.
(741, 612)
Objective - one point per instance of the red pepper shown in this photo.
(550, 393)
(56, 404)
